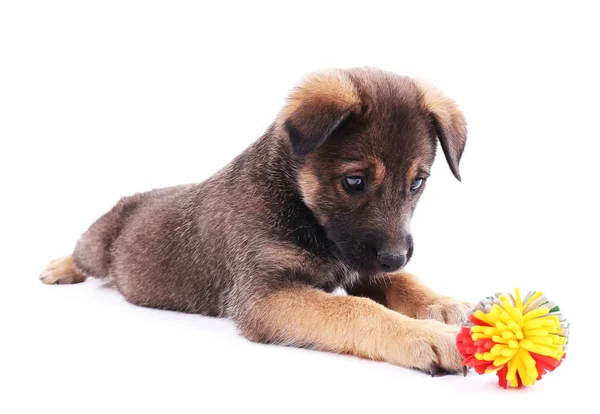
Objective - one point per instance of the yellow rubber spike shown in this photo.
(525, 379)
(512, 371)
(518, 300)
(478, 329)
(491, 331)
(512, 325)
(532, 324)
(554, 348)
(556, 339)
(488, 356)
(527, 345)
(542, 340)
(497, 349)
(483, 317)
(529, 361)
(549, 320)
(506, 351)
(542, 350)
(501, 361)
(494, 314)
(520, 367)
(536, 313)
(499, 339)
(514, 313)
(536, 332)
(532, 373)
(508, 335)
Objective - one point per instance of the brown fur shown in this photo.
(413, 171)
(372, 164)
(309, 186)
(351, 325)
(331, 86)
(405, 293)
(450, 124)
(267, 238)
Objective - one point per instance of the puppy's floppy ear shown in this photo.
(316, 108)
(449, 123)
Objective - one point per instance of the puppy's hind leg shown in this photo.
(91, 255)
(61, 272)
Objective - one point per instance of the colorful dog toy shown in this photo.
(518, 338)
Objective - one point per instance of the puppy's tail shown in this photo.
(61, 272)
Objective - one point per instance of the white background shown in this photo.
(103, 99)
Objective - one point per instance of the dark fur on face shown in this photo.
(261, 239)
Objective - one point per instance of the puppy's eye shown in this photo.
(416, 184)
(353, 183)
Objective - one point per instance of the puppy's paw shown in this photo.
(446, 309)
(431, 347)
(60, 272)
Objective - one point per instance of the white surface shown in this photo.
(99, 101)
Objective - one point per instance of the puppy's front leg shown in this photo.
(351, 325)
(405, 293)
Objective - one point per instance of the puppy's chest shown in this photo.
(330, 276)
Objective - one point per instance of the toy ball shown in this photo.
(520, 339)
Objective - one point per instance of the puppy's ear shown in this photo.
(316, 108)
(449, 123)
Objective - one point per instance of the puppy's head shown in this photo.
(365, 141)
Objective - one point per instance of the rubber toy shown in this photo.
(518, 338)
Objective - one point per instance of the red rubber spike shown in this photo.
(502, 377)
(547, 362)
(476, 321)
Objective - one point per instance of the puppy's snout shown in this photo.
(391, 261)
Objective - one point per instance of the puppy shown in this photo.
(322, 200)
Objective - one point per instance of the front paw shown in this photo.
(431, 347)
(446, 309)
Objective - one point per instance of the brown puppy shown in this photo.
(322, 200)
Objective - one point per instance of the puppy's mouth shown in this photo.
(361, 255)
(356, 256)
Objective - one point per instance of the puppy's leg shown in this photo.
(352, 325)
(92, 253)
(61, 271)
(405, 293)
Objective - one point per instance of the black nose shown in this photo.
(390, 262)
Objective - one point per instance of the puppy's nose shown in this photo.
(390, 262)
